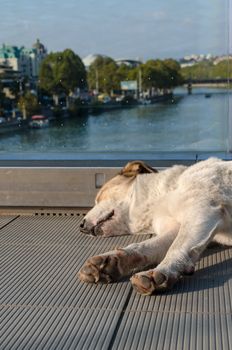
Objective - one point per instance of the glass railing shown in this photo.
(115, 80)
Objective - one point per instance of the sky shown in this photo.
(135, 29)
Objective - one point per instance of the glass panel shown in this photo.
(115, 76)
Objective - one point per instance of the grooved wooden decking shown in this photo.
(44, 306)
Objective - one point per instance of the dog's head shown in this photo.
(110, 215)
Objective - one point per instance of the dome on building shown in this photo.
(40, 48)
(88, 60)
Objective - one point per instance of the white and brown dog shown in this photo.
(184, 207)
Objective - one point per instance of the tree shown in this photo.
(102, 75)
(28, 105)
(208, 70)
(161, 74)
(62, 73)
(105, 75)
(223, 70)
(172, 67)
(201, 70)
(152, 74)
(125, 72)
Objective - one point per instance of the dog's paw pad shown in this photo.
(89, 273)
(158, 277)
(100, 268)
(147, 282)
(143, 283)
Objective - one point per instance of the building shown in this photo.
(7, 77)
(90, 59)
(222, 58)
(8, 73)
(10, 56)
(191, 60)
(24, 60)
(128, 62)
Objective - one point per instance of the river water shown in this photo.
(187, 123)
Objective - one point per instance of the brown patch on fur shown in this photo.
(136, 167)
(117, 187)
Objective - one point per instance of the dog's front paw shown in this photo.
(147, 282)
(143, 283)
(101, 268)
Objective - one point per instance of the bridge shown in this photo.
(208, 81)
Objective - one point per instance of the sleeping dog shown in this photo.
(185, 208)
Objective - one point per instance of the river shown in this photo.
(187, 123)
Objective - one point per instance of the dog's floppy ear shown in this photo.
(137, 167)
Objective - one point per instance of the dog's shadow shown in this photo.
(212, 271)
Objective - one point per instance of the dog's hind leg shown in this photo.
(194, 235)
(113, 265)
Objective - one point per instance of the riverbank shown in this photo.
(95, 108)
(126, 102)
(188, 123)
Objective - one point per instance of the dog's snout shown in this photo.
(86, 227)
(94, 227)
(83, 227)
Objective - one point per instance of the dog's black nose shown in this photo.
(82, 225)
(85, 227)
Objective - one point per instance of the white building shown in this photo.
(26, 61)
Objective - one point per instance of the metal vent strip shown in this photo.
(54, 213)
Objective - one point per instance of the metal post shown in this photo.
(229, 111)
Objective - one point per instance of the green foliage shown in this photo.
(62, 72)
(152, 74)
(223, 70)
(161, 74)
(102, 74)
(173, 69)
(126, 73)
(28, 103)
(207, 70)
(105, 75)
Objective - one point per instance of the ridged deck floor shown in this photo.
(44, 306)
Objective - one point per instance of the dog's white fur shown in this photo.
(184, 207)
